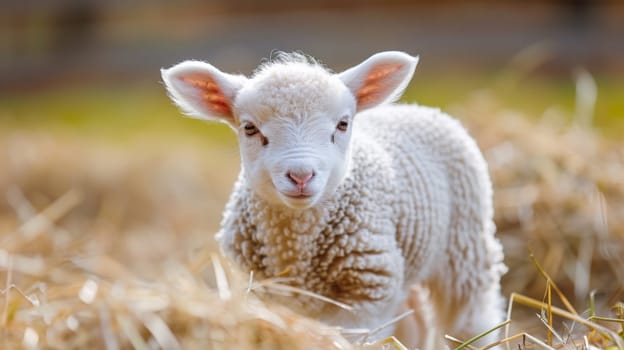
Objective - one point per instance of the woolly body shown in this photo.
(414, 208)
(374, 215)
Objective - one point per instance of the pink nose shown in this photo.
(300, 178)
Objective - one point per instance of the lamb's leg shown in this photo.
(419, 330)
(466, 294)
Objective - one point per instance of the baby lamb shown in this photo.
(366, 202)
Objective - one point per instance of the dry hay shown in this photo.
(559, 188)
(102, 247)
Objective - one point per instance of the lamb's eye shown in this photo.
(342, 125)
(250, 129)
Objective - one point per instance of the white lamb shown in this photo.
(361, 201)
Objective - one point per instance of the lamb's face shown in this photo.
(293, 118)
(294, 126)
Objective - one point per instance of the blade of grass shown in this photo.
(291, 289)
(106, 329)
(550, 320)
(481, 335)
(592, 304)
(131, 332)
(458, 341)
(606, 319)
(509, 309)
(45, 219)
(9, 285)
(546, 276)
(619, 307)
(222, 282)
(551, 330)
(159, 330)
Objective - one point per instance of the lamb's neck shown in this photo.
(287, 237)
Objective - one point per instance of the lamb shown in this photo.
(366, 202)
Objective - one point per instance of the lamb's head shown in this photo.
(293, 117)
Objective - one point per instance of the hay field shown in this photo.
(109, 203)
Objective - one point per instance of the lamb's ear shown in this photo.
(203, 91)
(381, 78)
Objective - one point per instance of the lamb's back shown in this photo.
(436, 167)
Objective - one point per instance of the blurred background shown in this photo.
(47, 42)
(50, 46)
(90, 62)
(96, 161)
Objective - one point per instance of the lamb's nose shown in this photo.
(300, 178)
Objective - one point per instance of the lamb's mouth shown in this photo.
(297, 195)
(298, 200)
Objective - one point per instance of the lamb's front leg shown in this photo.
(419, 331)
(370, 280)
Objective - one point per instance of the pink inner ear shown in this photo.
(211, 94)
(377, 84)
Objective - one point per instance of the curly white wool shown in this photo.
(412, 205)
